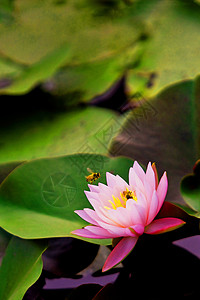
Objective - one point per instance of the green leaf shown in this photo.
(21, 267)
(87, 80)
(52, 133)
(9, 69)
(7, 168)
(49, 25)
(6, 9)
(4, 240)
(169, 54)
(38, 72)
(38, 199)
(164, 130)
(190, 190)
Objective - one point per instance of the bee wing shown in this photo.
(89, 170)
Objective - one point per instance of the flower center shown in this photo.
(125, 195)
(129, 195)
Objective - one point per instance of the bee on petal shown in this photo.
(93, 176)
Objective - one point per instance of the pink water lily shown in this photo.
(126, 211)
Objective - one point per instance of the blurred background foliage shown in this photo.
(114, 77)
(84, 46)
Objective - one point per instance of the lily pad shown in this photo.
(38, 199)
(21, 267)
(88, 80)
(50, 25)
(164, 130)
(30, 76)
(171, 52)
(47, 134)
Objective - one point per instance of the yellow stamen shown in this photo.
(113, 205)
(125, 195)
(106, 207)
(117, 201)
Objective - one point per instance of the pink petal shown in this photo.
(138, 170)
(135, 181)
(121, 183)
(163, 225)
(142, 199)
(153, 208)
(91, 195)
(105, 189)
(111, 180)
(99, 231)
(138, 229)
(101, 212)
(137, 212)
(121, 250)
(88, 234)
(116, 231)
(121, 216)
(155, 173)
(104, 198)
(162, 190)
(131, 179)
(93, 188)
(99, 202)
(86, 214)
(150, 176)
(148, 191)
(93, 202)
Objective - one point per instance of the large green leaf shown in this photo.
(38, 199)
(86, 80)
(51, 134)
(165, 130)
(21, 267)
(171, 52)
(41, 27)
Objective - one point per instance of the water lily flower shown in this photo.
(126, 211)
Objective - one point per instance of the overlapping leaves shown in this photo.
(90, 60)
(164, 130)
(15, 276)
(42, 28)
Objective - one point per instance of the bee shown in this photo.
(93, 176)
